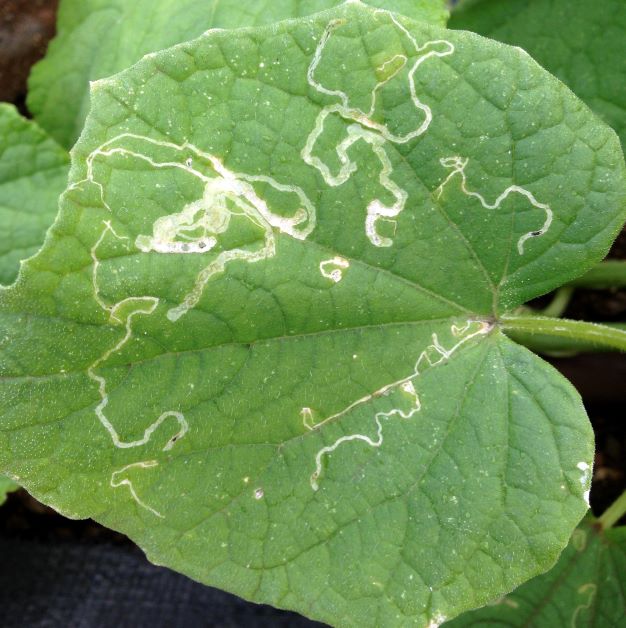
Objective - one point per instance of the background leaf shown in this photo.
(97, 38)
(33, 173)
(263, 335)
(6, 486)
(581, 42)
(587, 587)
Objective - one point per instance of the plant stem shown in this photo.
(580, 332)
(556, 346)
(609, 274)
(613, 513)
(559, 302)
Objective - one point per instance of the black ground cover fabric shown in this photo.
(73, 585)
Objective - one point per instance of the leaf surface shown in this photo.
(587, 587)
(581, 42)
(263, 336)
(97, 38)
(33, 173)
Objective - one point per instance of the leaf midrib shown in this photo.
(244, 343)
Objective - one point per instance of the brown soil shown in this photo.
(26, 26)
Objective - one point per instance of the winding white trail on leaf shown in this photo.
(116, 483)
(228, 194)
(142, 306)
(194, 230)
(585, 479)
(365, 128)
(210, 215)
(138, 306)
(433, 355)
(334, 268)
(458, 165)
(590, 590)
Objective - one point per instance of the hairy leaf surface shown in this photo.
(587, 587)
(581, 42)
(263, 334)
(33, 173)
(97, 38)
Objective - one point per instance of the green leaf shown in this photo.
(262, 338)
(581, 42)
(97, 38)
(587, 587)
(6, 486)
(33, 173)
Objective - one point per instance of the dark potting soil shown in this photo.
(26, 26)
(74, 585)
(58, 573)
